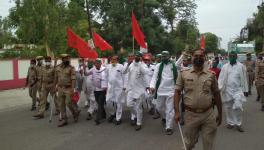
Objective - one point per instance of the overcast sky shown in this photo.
(225, 18)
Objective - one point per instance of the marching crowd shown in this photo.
(188, 91)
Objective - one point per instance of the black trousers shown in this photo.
(100, 99)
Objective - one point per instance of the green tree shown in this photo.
(211, 42)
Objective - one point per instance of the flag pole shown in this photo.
(133, 41)
(89, 18)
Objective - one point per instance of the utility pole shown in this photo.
(89, 18)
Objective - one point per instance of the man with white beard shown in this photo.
(136, 87)
(115, 93)
(163, 85)
(234, 87)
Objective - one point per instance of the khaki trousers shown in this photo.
(200, 122)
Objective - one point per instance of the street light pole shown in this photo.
(89, 18)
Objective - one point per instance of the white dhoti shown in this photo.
(165, 106)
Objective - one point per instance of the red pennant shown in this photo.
(137, 33)
(100, 42)
(84, 50)
(202, 44)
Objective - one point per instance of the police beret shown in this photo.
(39, 57)
(64, 55)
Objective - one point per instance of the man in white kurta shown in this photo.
(99, 80)
(136, 87)
(115, 93)
(234, 87)
(148, 95)
(88, 89)
(165, 90)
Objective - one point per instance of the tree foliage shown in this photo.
(256, 29)
(167, 24)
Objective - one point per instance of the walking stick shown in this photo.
(182, 135)
(51, 107)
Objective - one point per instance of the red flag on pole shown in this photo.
(100, 42)
(137, 33)
(202, 42)
(83, 48)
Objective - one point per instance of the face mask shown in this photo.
(90, 65)
(214, 65)
(66, 63)
(232, 60)
(40, 62)
(165, 61)
(48, 63)
(198, 62)
(32, 65)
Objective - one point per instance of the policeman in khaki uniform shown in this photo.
(39, 72)
(200, 87)
(260, 78)
(250, 65)
(65, 79)
(31, 83)
(47, 87)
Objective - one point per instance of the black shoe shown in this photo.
(163, 121)
(182, 123)
(97, 122)
(151, 111)
(118, 122)
(258, 98)
(33, 108)
(64, 123)
(111, 118)
(76, 116)
(39, 116)
(133, 122)
(228, 126)
(262, 108)
(240, 129)
(47, 106)
(89, 116)
(169, 131)
(138, 127)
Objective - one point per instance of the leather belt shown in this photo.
(197, 110)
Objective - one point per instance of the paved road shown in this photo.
(18, 131)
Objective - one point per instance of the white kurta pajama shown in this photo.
(88, 89)
(165, 93)
(115, 92)
(136, 87)
(149, 97)
(232, 84)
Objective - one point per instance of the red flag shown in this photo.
(202, 42)
(83, 49)
(137, 33)
(101, 43)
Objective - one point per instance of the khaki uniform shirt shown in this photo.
(260, 73)
(31, 75)
(199, 88)
(48, 75)
(65, 75)
(39, 72)
(250, 65)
